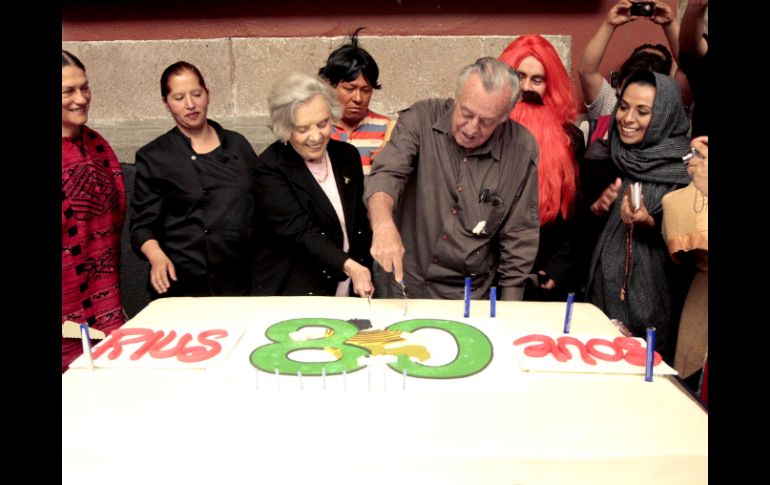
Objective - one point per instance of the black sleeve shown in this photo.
(146, 206)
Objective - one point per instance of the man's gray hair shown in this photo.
(494, 74)
(292, 92)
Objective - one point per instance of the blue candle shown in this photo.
(568, 315)
(492, 301)
(650, 354)
(86, 339)
(467, 312)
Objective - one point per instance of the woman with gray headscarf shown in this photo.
(630, 273)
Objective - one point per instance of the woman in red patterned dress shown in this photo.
(93, 210)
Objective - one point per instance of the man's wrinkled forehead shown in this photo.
(474, 95)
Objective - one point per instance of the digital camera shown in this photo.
(642, 9)
(694, 152)
(615, 79)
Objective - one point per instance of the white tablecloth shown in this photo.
(191, 426)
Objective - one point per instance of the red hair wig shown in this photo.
(557, 168)
(559, 92)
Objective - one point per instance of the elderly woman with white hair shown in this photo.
(314, 231)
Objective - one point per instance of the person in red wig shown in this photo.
(548, 110)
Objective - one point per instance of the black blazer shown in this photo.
(199, 207)
(299, 237)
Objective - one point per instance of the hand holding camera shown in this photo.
(642, 9)
(698, 166)
(619, 14)
(660, 13)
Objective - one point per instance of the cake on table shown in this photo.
(325, 390)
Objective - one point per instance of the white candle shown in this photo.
(384, 381)
(277, 380)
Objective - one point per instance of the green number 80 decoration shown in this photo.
(276, 355)
(474, 350)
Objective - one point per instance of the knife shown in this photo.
(403, 291)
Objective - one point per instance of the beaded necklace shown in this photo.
(324, 169)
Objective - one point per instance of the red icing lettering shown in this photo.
(635, 353)
(595, 342)
(116, 341)
(216, 347)
(566, 340)
(627, 348)
(157, 351)
(151, 342)
(547, 346)
(197, 353)
(154, 343)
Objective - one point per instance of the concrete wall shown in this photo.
(91, 20)
(124, 76)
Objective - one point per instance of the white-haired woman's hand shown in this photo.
(360, 277)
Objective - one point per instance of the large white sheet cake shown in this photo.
(427, 398)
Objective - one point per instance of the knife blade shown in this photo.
(403, 291)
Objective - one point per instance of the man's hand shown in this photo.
(388, 250)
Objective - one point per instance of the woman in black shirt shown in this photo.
(193, 204)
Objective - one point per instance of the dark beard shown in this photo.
(531, 97)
